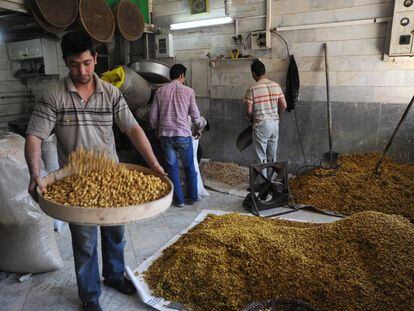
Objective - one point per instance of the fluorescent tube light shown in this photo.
(202, 23)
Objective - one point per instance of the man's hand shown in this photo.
(197, 134)
(140, 141)
(158, 168)
(35, 182)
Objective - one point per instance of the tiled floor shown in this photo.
(57, 290)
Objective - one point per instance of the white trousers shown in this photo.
(265, 139)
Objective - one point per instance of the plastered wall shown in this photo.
(368, 93)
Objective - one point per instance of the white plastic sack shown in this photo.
(202, 192)
(27, 243)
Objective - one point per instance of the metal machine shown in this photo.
(272, 192)
(401, 41)
(155, 73)
(152, 71)
(267, 192)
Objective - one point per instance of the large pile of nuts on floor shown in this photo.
(354, 188)
(225, 172)
(363, 262)
(100, 182)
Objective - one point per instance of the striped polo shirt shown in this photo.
(78, 124)
(264, 96)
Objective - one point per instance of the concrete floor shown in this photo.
(57, 290)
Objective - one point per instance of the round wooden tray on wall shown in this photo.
(97, 19)
(58, 13)
(40, 19)
(129, 20)
(108, 216)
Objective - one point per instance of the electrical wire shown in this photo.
(294, 111)
(300, 138)
(245, 39)
(283, 39)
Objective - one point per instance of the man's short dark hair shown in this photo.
(176, 70)
(258, 68)
(75, 43)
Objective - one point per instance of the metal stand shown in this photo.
(275, 185)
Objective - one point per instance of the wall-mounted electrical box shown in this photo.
(33, 57)
(164, 46)
(402, 32)
(260, 40)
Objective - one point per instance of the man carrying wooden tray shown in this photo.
(81, 110)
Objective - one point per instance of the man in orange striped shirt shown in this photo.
(265, 102)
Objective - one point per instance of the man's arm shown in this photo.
(248, 101)
(249, 111)
(194, 114)
(153, 114)
(33, 152)
(41, 124)
(140, 141)
(193, 111)
(282, 105)
(198, 128)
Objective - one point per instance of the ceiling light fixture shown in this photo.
(202, 23)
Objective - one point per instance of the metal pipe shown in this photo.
(146, 47)
(125, 51)
(328, 100)
(336, 24)
(14, 92)
(377, 167)
(250, 17)
(227, 7)
(268, 22)
(17, 96)
(19, 103)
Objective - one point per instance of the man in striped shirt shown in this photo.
(264, 102)
(81, 109)
(173, 104)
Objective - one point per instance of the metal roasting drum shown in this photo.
(152, 71)
(103, 216)
(136, 90)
